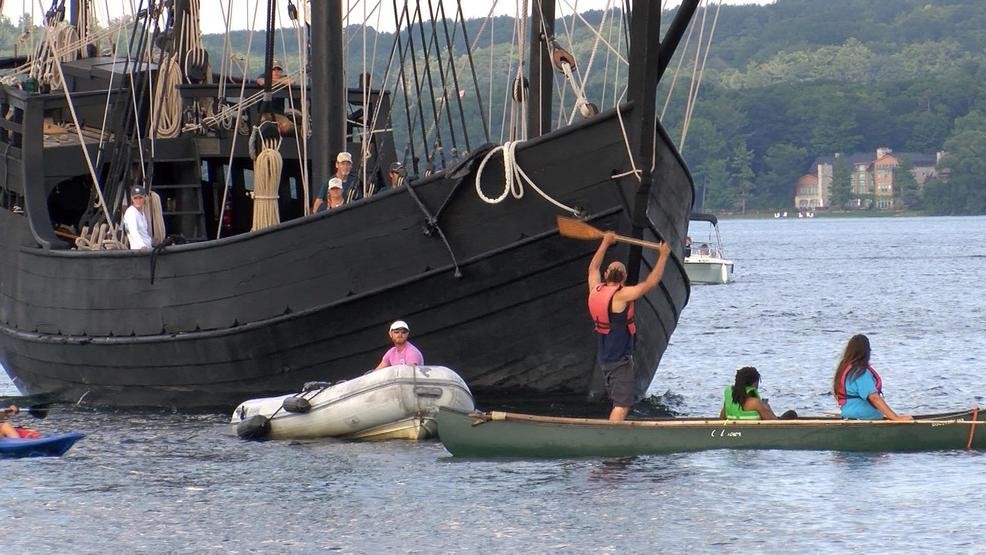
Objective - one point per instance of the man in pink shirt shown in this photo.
(403, 352)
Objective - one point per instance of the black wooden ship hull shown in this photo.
(490, 290)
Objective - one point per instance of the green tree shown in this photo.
(713, 175)
(741, 174)
(841, 183)
(906, 191)
(965, 159)
(784, 163)
(834, 128)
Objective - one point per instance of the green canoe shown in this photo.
(504, 434)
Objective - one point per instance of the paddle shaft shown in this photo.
(577, 229)
(641, 242)
(37, 412)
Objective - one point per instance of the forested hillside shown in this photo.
(802, 78)
(784, 84)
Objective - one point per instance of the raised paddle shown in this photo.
(38, 411)
(577, 229)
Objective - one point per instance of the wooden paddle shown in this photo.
(37, 411)
(577, 229)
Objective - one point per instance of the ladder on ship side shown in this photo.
(179, 183)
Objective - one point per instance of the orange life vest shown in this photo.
(840, 390)
(27, 433)
(600, 305)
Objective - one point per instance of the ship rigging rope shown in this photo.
(103, 135)
(598, 34)
(514, 178)
(38, 64)
(302, 140)
(82, 140)
(239, 112)
(693, 97)
(61, 44)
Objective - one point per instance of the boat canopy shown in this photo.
(703, 217)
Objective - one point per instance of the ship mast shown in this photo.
(647, 63)
(329, 112)
(541, 68)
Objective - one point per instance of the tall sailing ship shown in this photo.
(248, 293)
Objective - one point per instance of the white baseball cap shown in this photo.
(335, 183)
(344, 157)
(399, 325)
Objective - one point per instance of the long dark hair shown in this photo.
(745, 377)
(855, 358)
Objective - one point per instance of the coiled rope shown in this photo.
(155, 217)
(514, 178)
(102, 237)
(267, 178)
(167, 119)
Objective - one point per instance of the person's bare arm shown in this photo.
(877, 401)
(315, 205)
(597, 259)
(634, 292)
(762, 408)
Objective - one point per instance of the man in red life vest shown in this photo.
(611, 308)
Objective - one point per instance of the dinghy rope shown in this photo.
(972, 428)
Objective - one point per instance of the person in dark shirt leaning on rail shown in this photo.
(611, 308)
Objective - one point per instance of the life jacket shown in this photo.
(733, 410)
(27, 433)
(600, 305)
(840, 389)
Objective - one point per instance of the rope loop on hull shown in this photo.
(514, 178)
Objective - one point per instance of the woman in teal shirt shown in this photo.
(857, 386)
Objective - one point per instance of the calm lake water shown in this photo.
(157, 483)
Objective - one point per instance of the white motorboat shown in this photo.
(399, 402)
(705, 261)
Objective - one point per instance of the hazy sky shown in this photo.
(213, 11)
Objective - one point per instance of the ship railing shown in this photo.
(197, 95)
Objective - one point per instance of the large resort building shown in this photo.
(872, 178)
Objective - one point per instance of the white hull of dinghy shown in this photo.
(399, 402)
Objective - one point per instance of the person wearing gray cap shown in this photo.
(134, 222)
(403, 352)
(397, 175)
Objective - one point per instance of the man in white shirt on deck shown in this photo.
(135, 223)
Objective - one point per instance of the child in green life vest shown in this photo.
(741, 401)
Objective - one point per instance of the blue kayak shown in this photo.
(48, 446)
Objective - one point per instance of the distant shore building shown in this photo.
(872, 178)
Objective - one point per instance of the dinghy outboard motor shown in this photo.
(296, 404)
(255, 427)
